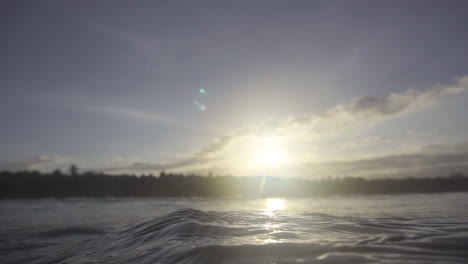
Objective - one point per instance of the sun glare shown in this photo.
(271, 158)
(269, 153)
(275, 204)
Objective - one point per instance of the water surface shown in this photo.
(348, 229)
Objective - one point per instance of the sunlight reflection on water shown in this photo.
(273, 205)
(416, 228)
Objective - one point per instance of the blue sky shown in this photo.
(297, 88)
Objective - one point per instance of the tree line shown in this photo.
(34, 184)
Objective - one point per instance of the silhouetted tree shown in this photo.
(34, 184)
(73, 170)
(57, 173)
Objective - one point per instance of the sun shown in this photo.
(267, 153)
(271, 158)
(275, 204)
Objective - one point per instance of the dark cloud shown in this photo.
(381, 105)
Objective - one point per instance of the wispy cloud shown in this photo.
(32, 163)
(358, 111)
(148, 53)
(365, 108)
(136, 114)
(433, 160)
(378, 107)
(139, 166)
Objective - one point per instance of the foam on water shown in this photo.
(196, 236)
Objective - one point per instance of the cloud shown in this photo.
(374, 107)
(132, 113)
(32, 162)
(118, 107)
(221, 142)
(156, 55)
(432, 160)
(153, 167)
(367, 141)
(381, 105)
(460, 147)
(365, 108)
(215, 146)
(139, 115)
(117, 33)
(141, 166)
(422, 164)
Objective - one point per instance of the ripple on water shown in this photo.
(193, 236)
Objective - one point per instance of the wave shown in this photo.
(193, 236)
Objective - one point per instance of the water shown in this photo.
(359, 229)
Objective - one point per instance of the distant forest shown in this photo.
(34, 184)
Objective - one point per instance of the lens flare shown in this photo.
(200, 106)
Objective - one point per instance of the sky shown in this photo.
(282, 88)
